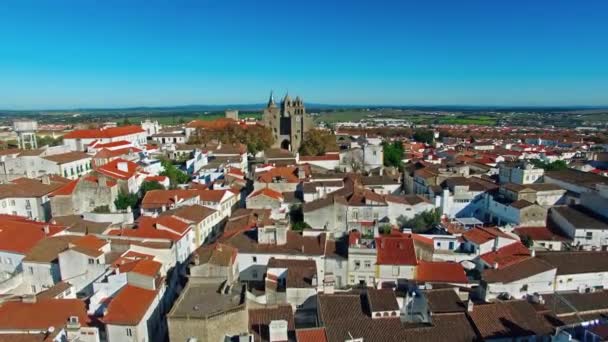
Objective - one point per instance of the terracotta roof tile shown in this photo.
(19, 235)
(42, 314)
(129, 306)
(119, 169)
(440, 272)
(112, 132)
(311, 335)
(268, 193)
(506, 255)
(395, 250)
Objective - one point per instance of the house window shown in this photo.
(129, 332)
(589, 235)
(33, 288)
(91, 261)
(395, 271)
(255, 259)
(357, 264)
(368, 264)
(31, 270)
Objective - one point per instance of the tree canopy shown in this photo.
(150, 185)
(393, 153)
(557, 165)
(176, 176)
(424, 135)
(256, 137)
(125, 200)
(316, 142)
(420, 222)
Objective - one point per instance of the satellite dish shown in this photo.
(468, 265)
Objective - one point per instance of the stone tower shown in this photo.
(288, 121)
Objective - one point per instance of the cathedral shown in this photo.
(288, 121)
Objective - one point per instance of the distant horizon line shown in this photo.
(219, 107)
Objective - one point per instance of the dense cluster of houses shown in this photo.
(274, 246)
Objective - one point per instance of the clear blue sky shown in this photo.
(113, 53)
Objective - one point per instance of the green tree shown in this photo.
(176, 176)
(557, 165)
(296, 218)
(424, 135)
(393, 153)
(422, 222)
(125, 200)
(316, 142)
(150, 185)
(48, 140)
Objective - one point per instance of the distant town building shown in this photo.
(232, 114)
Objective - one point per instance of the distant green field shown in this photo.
(356, 115)
(468, 120)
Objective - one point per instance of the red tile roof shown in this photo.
(212, 195)
(147, 229)
(172, 223)
(480, 235)
(158, 198)
(539, 234)
(111, 132)
(147, 267)
(440, 272)
(286, 173)
(268, 193)
(91, 242)
(129, 306)
(507, 255)
(65, 190)
(311, 335)
(19, 235)
(112, 169)
(44, 313)
(111, 144)
(395, 250)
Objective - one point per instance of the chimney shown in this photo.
(102, 180)
(46, 229)
(328, 283)
(301, 173)
(470, 305)
(46, 179)
(495, 247)
(29, 299)
(123, 166)
(532, 253)
(495, 265)
(277, 331)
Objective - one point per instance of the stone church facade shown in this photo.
(288, 121)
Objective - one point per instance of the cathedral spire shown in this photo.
(271, 99)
